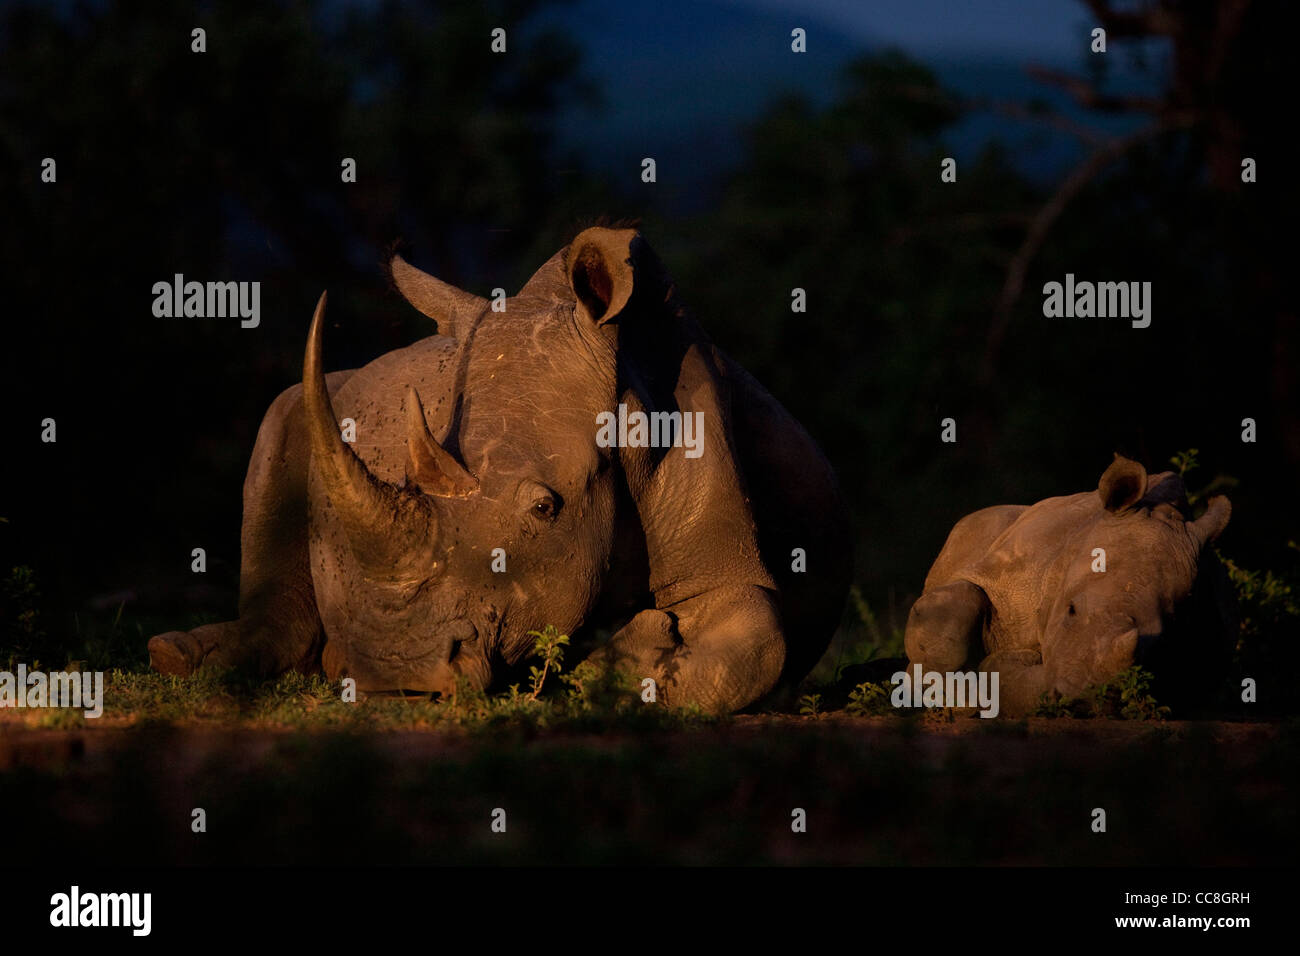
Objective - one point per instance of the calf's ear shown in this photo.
(1122, 485)
(601, 266)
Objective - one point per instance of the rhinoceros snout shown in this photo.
(1113, 655)
(406, 664)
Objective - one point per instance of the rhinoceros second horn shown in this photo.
(428, 464)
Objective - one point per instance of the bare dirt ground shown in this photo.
(872, 790)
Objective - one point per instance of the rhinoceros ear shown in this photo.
(1122, 485)
(601, 270)
(453, 309)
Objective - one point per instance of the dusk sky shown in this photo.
(1046, 29)
(667, 71)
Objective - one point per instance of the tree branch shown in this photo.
(1085, 94)
(1049, 118)
(1153, 20)
(1047, 216)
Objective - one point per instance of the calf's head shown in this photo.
(1128, 579)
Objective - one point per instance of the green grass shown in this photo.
(583, 699)
(580, 698)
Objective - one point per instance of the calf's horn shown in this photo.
(1211, 524)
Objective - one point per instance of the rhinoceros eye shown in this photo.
(545, 508)
(1070, 609)
(539, 503)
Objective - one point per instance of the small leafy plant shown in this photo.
(1049, 705)
(549, 649)
(869, 700)
(1126, 696)
(1129, 694)
(810, 705)
(600, 690)
(1185, 461)
(1266, 600)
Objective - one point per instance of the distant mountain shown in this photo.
(681, 78)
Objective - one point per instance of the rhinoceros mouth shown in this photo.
(444, 644)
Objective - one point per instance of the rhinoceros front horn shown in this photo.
(381, 523)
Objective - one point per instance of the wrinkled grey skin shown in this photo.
(1014, 591)
(373, 560)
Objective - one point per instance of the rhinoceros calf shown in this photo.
(1020, 590)
(487, 494)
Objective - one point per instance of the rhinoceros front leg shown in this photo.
(280, 635)
(278, 627)
(181, 652)
(945, 627)
(721, 650)
(1022, 679)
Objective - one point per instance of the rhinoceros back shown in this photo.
(797, 503)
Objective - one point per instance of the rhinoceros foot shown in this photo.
(180, 653)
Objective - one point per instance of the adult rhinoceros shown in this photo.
(1067, 593)
(480, 500)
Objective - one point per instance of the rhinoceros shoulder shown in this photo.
(969, 542)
